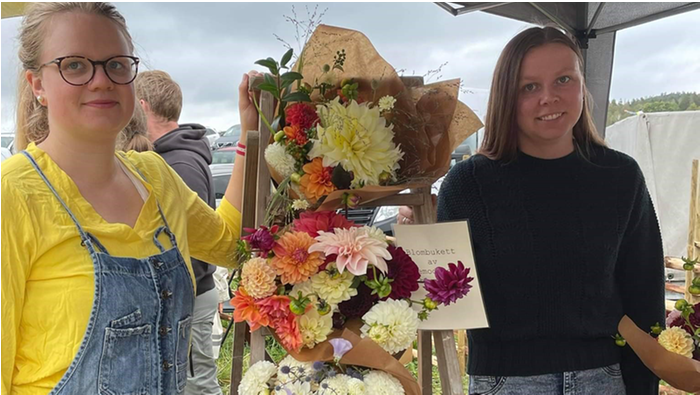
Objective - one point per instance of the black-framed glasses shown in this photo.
(79, 70)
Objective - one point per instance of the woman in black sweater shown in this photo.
(565, 235)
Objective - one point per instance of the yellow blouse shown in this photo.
(48, 277)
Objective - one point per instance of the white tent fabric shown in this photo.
(664, 144)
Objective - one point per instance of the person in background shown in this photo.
(186, 150)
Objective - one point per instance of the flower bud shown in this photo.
(295, 177)
(430, 304)
(326, 68)
(279, 136)
(656, 329)
(384, 290)
(323, 308)
(385, 177)
(351, 200)
(681, 304)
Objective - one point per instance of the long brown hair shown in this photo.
(32, 117)
(501, 128)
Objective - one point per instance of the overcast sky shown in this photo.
(206, 48)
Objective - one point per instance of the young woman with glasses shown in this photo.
(97, 288)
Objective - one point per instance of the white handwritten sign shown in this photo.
(437, 245)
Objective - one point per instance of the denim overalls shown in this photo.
(137, 338)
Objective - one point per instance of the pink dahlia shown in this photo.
(355, 249)
(326, 221)
(449, 285)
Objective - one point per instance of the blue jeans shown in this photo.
(601, 381)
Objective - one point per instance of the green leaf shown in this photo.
(268, 87)
(286, 57)
(270, 64)
(297, 96)
(270, 80)
(286, 83)
(291, 76)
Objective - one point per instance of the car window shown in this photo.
(220, 184)
(6, 141)
(219, 157)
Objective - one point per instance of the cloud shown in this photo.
(206, 47)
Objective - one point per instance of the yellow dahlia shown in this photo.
(677, 340)
(357, 138)
(293, 261)
(258, 278)
(314, 327)
(334, 288)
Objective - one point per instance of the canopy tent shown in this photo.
(12, 9)
(595, 26)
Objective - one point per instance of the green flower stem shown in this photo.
(262, 116)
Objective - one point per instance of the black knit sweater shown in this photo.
(564, 248)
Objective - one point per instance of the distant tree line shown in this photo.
(683, 101)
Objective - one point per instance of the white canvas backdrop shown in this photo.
(664, 144)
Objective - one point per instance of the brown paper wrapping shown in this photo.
(364, 352)
(429, 122)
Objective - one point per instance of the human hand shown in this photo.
(246, 107)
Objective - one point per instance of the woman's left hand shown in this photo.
(246, 107)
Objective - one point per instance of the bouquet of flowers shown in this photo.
(347, 130)
(323, 277)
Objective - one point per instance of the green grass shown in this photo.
(278, 353)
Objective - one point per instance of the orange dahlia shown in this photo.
(296, 134)
(245, 309)
(292, 260)
(288, 332)
(316, 181)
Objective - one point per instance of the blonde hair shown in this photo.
(501, 128)
(32, 117)
(134, 137)
(162, 94)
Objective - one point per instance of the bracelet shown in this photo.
(240, 152)
(241, 145)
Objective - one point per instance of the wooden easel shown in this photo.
(256, 194)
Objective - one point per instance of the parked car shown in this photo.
(220, 173)
(229, 138)
(211, 136)
(8, 140)
(223, 155)
(4, 153)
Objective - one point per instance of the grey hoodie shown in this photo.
(186, 150)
